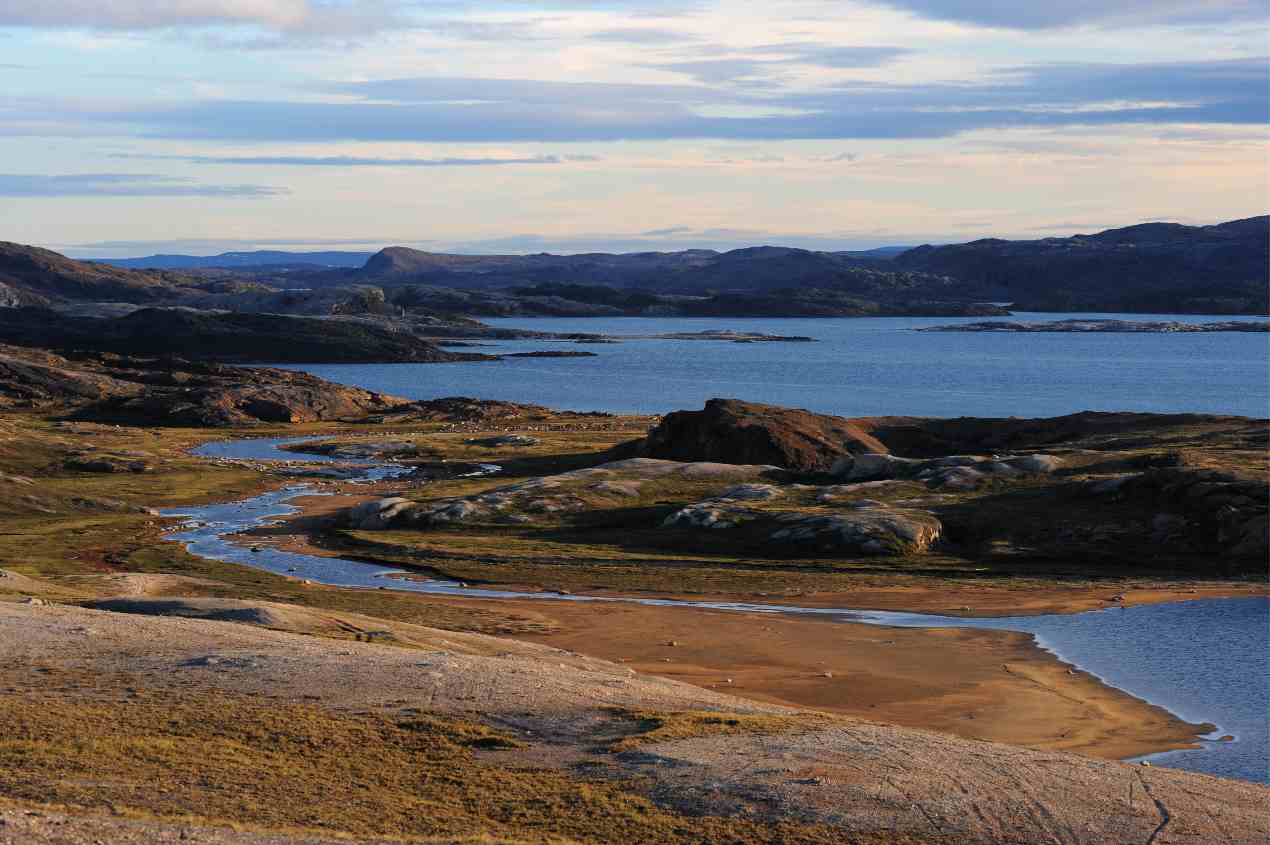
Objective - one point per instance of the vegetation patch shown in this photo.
(290, 766)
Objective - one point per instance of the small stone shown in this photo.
(826, 674)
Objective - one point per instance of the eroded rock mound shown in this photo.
(954, 472)
(736, 432)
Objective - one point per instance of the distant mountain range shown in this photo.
(1154, 267)
(281, 258)
(256, 258)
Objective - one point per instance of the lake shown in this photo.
(857, 367)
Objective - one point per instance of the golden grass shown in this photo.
(290, 766)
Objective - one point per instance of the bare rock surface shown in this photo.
(954, 472)
(866, 777)
(736, 432)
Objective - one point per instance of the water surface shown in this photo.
(857, 367)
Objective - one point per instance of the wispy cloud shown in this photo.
(510, 111)
(286, 20)
(153, 14)
(360, 161)
(122, 185)
(1038, 15)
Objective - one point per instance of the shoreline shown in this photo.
(998, 685)
(993, 684)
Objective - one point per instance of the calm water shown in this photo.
(1206, 661)
(858, 367)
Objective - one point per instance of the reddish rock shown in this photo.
(735, 432)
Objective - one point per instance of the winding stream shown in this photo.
(1204, 661)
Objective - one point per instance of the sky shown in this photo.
(131, 127)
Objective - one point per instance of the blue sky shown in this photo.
(137, 126)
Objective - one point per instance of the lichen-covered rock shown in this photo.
(870, 528)
(707, 515)
(504, 440)
(952, 472)
(378, 514)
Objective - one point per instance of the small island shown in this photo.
(1104, 325)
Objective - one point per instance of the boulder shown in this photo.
(870, 528)
(750, 492)
(505, 440)
(734, 432)
(378, 514)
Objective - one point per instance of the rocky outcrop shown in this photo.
(955, 472)
(868, 528)
(863, 527)
(504, 440)
(1201, 509)
(736, 432)
(173, 392)
(260, 396)
(464, 409)
(33, 378)
(921, 437)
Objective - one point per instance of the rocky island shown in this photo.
(1113, 326)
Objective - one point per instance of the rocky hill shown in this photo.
(150, 391)
(212, 336)
(35, 275)
(1154, 267)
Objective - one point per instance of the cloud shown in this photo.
(122, 185)
(716, 71)
(833, 55)
(750, 70)
(1037, 15)
(638, 35)
(360, 161)
(153, 14)
(292, 18)
(510, 111)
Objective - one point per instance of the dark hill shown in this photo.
(256, 258)
(1150, 267)
(44, 274)
(212, 336)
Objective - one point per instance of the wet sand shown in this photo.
(976, 684)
